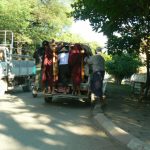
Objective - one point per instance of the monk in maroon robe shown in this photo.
(47, 68)
(75, 66)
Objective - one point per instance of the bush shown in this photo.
(122, 66)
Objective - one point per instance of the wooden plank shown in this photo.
(69, 96)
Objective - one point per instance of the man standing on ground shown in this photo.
(98, 67)
(38, 56)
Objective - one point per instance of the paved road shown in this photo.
(30, 124)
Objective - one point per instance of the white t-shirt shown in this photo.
(63, 58)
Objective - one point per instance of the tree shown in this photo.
(129, 19)
(33, 21)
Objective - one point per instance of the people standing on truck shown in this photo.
(53, 47)
(75, 59)
(47, 68)
(63, 66)
(60, 45)
(98, 67)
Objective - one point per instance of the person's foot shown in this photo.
(54, 92)
(65, 92)
(73, 93)
(44, 91)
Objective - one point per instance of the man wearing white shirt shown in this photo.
(63, 66)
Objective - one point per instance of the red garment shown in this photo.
(75, 65)
(47, 74)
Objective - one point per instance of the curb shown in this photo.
(118, 134)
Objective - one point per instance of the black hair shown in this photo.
(45, 43)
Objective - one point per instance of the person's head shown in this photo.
(45, 43)
(71, 46)
(98, 50)
(78, 46)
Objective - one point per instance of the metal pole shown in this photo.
(5, 36)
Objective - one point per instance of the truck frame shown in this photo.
(15, 69)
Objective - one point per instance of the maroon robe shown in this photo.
(75, 65)
(47, 74)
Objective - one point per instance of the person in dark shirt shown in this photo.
(39, 58)
(47, 69)
(98, 68)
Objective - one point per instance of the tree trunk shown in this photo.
(146, 88)
(148, 74)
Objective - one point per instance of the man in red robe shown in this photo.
(75, 59)
(47, 68)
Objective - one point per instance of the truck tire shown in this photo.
(27, 87)
(88, 102)
(3, 87)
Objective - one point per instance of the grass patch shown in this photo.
(113, 89)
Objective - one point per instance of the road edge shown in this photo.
(118, 134)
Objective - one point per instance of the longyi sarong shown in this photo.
(96, 84)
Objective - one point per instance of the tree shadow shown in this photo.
(28, 123)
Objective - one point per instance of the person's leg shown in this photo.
(44, 82)
(44, 86)
(78, 90)
(49, 88)
(74, 89)
(102, 98)
(66, 76)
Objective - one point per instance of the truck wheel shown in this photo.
(3, 87)
(88, 102)
(28, 86)
(25, 89)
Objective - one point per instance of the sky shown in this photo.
(84, 29)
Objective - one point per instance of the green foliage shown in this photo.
(129, 18)
(123, 44)
(122, 66)
(33, 20)
(106, 57)
(69, 37)
(93, 46)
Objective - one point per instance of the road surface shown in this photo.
(28, 123)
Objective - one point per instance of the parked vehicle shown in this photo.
(15, 69)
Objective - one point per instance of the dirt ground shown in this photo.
(126, 112)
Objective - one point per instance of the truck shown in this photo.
(16, 69)
(85, 93)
